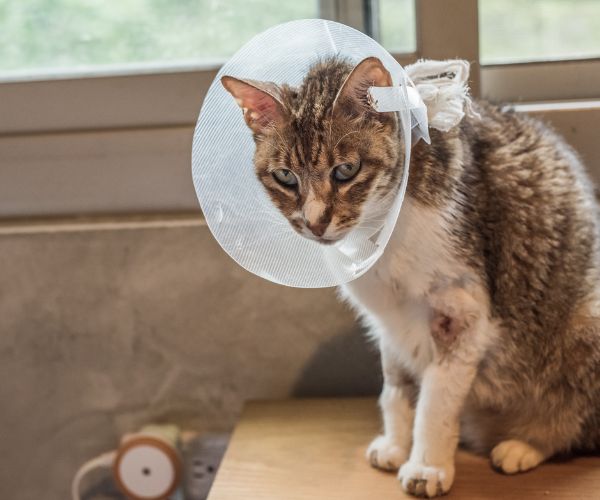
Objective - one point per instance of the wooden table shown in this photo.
(314, 449)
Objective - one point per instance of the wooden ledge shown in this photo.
(314, 449)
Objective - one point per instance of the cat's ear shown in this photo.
(370, 72)
(259, 101)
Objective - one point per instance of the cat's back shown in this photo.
(523, 158)
(531, 215)
(532, 220)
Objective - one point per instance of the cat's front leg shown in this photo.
(459, 326)
(391, 449)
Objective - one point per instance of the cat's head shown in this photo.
(327, 159)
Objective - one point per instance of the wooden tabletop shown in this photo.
(314, 449)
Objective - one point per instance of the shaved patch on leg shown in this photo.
(444, 329)
(453, 312)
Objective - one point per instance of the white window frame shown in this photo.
(119, 140)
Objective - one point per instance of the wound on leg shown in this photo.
(445, 329)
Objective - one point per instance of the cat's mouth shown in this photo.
(327, 241)
(322, 240)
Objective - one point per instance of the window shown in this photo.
(58, 35)
(538, 30)
(396, 25)
(539, 50)
(98, 99)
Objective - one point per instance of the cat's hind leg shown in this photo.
(512, 456)
(560, 414)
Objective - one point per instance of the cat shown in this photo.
(485, 302)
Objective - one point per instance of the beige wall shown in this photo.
(104, 327)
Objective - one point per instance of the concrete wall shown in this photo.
(105, 326)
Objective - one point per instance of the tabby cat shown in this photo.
(485, 302)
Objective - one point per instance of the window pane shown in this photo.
(42, 34)
(397, 25)
(529, 30)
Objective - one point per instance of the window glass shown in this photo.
(530, 30)
(57, 34)
(397, 25)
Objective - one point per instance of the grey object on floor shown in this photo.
(202, 457)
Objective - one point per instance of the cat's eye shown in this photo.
(346, 171)
(285, 177)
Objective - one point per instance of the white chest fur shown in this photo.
(392, 297)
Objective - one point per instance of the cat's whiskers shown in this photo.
(282, 151)
(346, 135)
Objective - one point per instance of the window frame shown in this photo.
(137, 119)
(149, 96)
(563, 80)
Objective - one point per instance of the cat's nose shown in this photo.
(317, 228)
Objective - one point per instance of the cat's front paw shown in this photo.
(514, 456)
(427, 481)
(385, 454)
